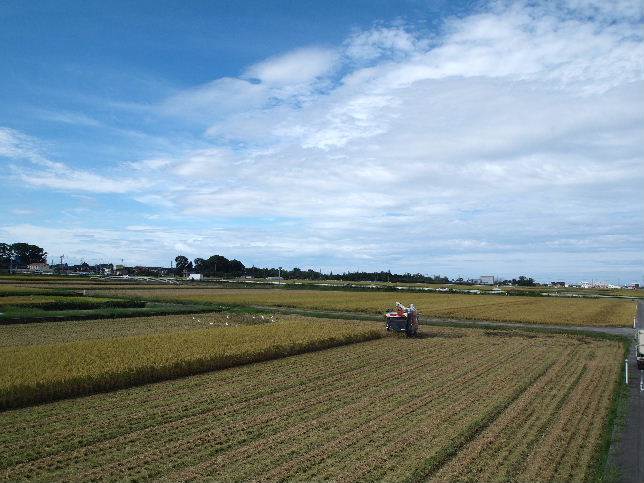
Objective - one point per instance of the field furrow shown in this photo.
(499, 447)
(458, 404)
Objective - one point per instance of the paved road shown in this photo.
(629, 454)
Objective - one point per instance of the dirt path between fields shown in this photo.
(623, 331)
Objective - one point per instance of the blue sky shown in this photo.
(460, 138)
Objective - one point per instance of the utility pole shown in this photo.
(61, 263)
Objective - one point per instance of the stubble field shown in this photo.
(457, 404)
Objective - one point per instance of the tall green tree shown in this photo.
(25, 253)
(182, 265)
(199, 265)
(5, 255)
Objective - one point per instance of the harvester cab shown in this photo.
(403, 319)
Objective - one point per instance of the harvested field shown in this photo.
(47, 372)
(538, 310)
(467, 406)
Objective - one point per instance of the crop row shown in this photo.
(540, 310)
(387, 409)
(48, 372)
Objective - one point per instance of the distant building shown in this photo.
(38, 267)
(195, 276)
(486, 280)
(598, 285)
(558, 284)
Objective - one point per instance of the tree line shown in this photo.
(218, 265)
(209, 267)
(20, 255)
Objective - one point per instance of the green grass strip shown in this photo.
(29, 316)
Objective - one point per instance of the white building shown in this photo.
(487, 280)
(38, 267)
(195, 276)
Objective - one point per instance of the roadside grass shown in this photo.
(44, 373)
(604, 470)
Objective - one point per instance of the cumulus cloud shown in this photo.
(511, 136)
(301, 66)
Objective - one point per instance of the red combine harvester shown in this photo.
(403, 319)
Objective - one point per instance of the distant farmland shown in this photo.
(538, 310)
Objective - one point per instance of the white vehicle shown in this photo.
(640, 349)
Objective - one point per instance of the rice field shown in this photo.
(455, 405)
(39, 373)
(72, 330)
(50, 303)
(538, 310)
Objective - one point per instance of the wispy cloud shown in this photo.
(28, 163)
(67, 117)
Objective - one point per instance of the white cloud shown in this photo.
(512, 136)
(301, 66)
(285, 78)
(14, 144)
(67, 117)
(36, 170)
(380, 42)
(215, 99)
